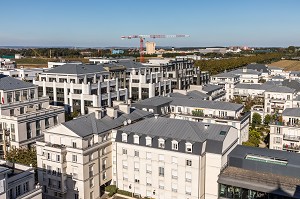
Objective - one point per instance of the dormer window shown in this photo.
(174, 145)
(148, 141)
(136, 139)
(188, 147)
(124, 137)
(161, 143)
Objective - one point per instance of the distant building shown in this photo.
(150, 48)
(56, 64)
(117, 51)
(27, 74)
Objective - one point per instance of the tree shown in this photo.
(254, 138)
(23, 156)
(256, 119)
(267, 119)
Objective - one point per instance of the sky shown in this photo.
(101, 23)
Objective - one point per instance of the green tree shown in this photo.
(267, 119)
(23, 156)
(254, 138)
(256, 119)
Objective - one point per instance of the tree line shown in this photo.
(218, 66)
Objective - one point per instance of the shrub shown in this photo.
(112, 189)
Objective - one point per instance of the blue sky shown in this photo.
(100, 23)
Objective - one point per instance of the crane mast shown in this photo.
(143, 37)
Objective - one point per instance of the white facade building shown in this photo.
(285, 134)
(18, 181)
(75, 157)
(56, 64)
(28, 74)
(227, 81)
(80, 86)
(169, 158)
(23, 115)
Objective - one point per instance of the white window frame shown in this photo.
(124, 137)
(148, 141)
(161, 143)
(174, 145)
(136, 139)
(189, 147)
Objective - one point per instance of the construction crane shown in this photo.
(143, 37)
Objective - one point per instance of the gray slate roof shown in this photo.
(155, 101)
(77, 69)
(227, 74)
(88, 124)
(247, 71)
(209, 88)
(263, 86)
(219, 105)
(8, 83)
(293, 84)
(178, 129)
(281, 89)
(291, 112)
(126, 63)
(197, 95)
(258, 67)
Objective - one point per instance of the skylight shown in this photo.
(270, 160)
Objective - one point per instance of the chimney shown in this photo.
(155, 116)
(244, 69)
(124, 108)
(111, 112)
(98, 114)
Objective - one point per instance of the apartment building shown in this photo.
(56, 64)
(214, 112)
(285, 134)
(216, 92)
(168, 158)
(146, 84)
(252, 90)
(78, 86)
(262, 68)
(227, 81)
(253, 172)
(75, 157)
(27, 74)
(181, 71)
(24, 115)
(278, 98)
(247, 75)
(18, 181)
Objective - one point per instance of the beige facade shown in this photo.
(150, 48)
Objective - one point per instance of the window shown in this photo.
(91, 171)
(179, 109)
(148, 168)
(55, 120)
(148, 182)
(124, 137)
(38, 127)
(148, 141)
(91, 182)
(174, 145)
(188, 147)
(18, 190)
(161, 171)
(161, 185)
(22, 110)
(174, 187)
(136, 179)
(28, 126)
(136, 139)
(161, 143)
(125, 164)
(26, 187)
(188, 162)
(188, 190)
(74, 144)
(188, 177)
(174, 160)
(12, 112)
(47, 124)
(74, 158)
(136, 153)
(104, 176)
(174, 174)
(48, 156)
(148, 155)
(92, 195)
(136, 166)
(58, 158)
(161, 158)
(124, 151)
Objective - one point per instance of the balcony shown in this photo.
(291, 137)
(280, 100)
(239, 118)
(277, 107)
(291, 148)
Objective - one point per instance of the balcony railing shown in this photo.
(293, 148)
(291, 137)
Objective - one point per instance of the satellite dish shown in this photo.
(129, 121)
